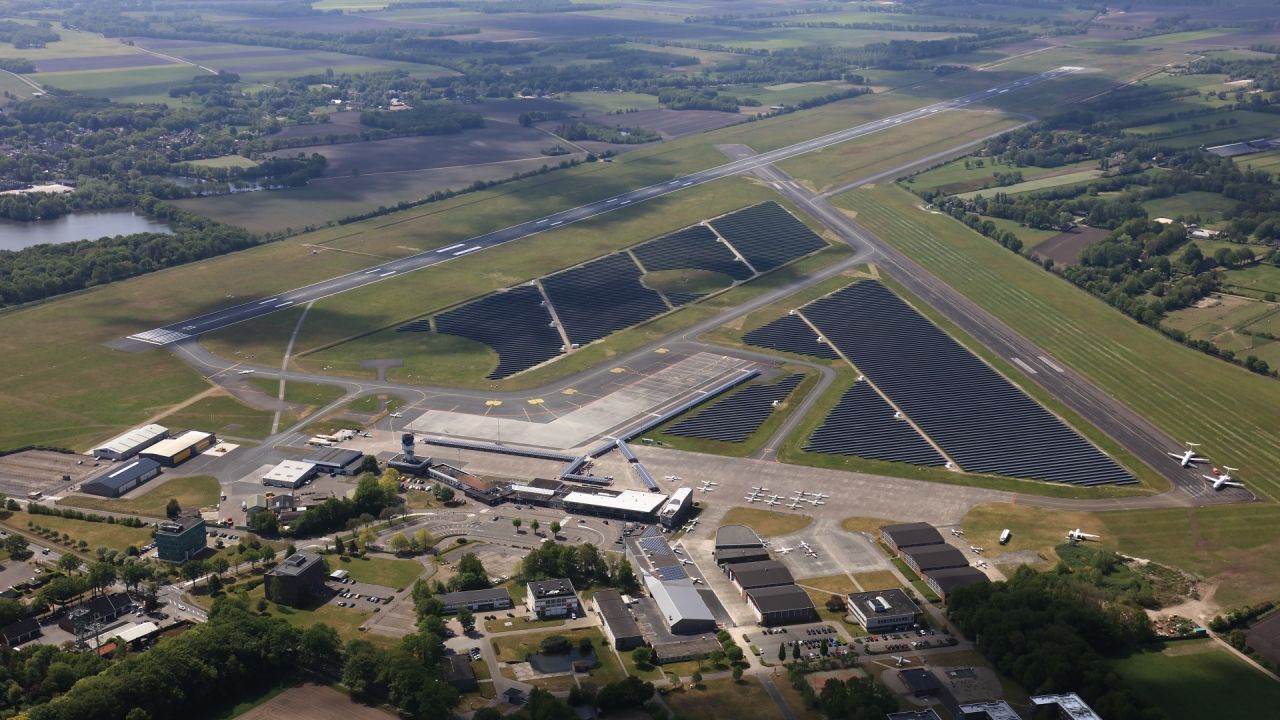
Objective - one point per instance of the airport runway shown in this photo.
(194, 327)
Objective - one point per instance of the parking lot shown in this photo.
(358, 595)
(810, 637)
(923, 639)
(43, 471)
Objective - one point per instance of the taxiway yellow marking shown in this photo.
(661, 351)
(618, 370)
(568, 391)
(534, 401)
(493, 403)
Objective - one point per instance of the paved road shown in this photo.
(1128, 428)
(196, 326)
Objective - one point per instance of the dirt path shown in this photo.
(211, 392)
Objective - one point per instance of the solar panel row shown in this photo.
(767, 235)
(600, 297)
(790, 334)
(735, 417)
(863, 424)
(974, 414)
(514, 323)
(693, 247)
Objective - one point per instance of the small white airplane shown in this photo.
(245, 372)
(751, 498)
(676, 549)
(795, 503)
(805, 546)
(696, 581)
(707, 486)
(784, 550)
(771, 501)
(956, 532)
(685, 562)
(396, 415)
(760, 489)
(1188, 458)
(689, 526)
(976, 550)
(899, 661)
(820, 496)
(1223, 479)
(1078, 535)
(816, 502)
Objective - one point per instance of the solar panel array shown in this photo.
(600, 297)
(654, 547)
(514, 323)
(863, 424)
(734, 418)
(670, 572)
(977, 417)
(693, 247)
(790, 334)
(767, 235)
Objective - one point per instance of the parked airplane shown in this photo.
(771, 501)
(1079, 535)
(957, 532)
(816, 502)
(899, 661)
(689, 526)
(685, 562)
(805, 546)
(795, 503)
(707, 486)
(784, 550)
(1223, 479)
(1188, 458)
(246, 372)
(759, 489)
(976, 550)
(696, 581)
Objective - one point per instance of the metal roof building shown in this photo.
(681, 605)
(291, 474)
(120, 479)
(177, 450)
(944, 582)
(905, 535)
(128, 444)
(737, 536)
(764, 573)
(620, 627)
(628, 504)
(926, 714)
(928, 558)
(676, 507)
(498, 598)
(781, 605)
(337, 460)
(740, 555)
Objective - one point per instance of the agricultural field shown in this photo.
(968, 174)
(127, 85)
(1199, 678)
(265, 64)
(1228, 321)
(1235, 408)
(605, 102)
(1210, 208)
(1041, 183)
(1266, 161)
(226, 161)
(1218, 129)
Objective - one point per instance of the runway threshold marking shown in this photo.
(468, 250)
(1019, 362)
(1050, 363)
(451, 247)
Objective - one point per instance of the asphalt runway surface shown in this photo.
(194, 327)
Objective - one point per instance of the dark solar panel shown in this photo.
(974, 414)
(790, 334)
(600, 297)
(655, 547)
(767, 235)
(670, 572)
(695, 247)
(514, 323)
(863, 424)
(734, 418)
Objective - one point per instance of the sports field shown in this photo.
(1234, 410)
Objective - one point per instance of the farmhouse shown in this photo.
(120, 479)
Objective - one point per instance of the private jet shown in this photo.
(696, 581)
(1223, 479)
(1188, 458)
(1078, 535)
(689, 526)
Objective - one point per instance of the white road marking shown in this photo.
(268, 300)
(468, 250)
(451, 247)
(285, 304)
(393, 272)
(558, 222)
(1050, 363)
(1024, 366)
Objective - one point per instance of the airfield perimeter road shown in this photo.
(196, 326)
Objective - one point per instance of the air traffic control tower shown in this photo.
(407, 462)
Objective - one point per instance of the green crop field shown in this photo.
(954, 177)
(1043, 183)
(1199, 678)
(74, 44)
(1235, 409)
(1179, 37)
(1267, 161)
(192, 493)
(611, 101)
(226, 161)
(1210, 207)
(142, 84)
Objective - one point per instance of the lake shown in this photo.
(76, 226)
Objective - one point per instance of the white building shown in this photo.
(291, 474)
(552, 598)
